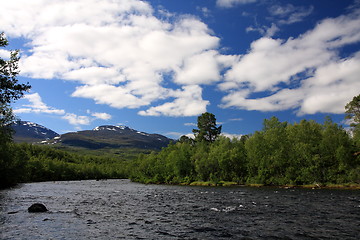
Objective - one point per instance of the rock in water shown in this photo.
(37, 207)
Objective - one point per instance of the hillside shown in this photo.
(107, 138)
(31, 132)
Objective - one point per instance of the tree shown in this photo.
(353, 110)
(353, 113)
(207, 131)
(186, 139)
(10, 89)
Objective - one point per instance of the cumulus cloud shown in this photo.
(74, 119)
(37, 106)
(103, 116)
(202, 68)
(315, 77)
(232, 3)
(188, 102)
(119, 47)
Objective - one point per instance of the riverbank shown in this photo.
(350, 186)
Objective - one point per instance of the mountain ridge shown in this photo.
(104, 136)
(30, 132)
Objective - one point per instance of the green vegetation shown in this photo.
(10, 90)
(304, 153)
(207, 131)
(48, 164)
(32, 163)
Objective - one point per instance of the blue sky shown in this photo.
(157, 65)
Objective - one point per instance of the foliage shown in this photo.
(281, 153)
(10, 90)
(207, 128)
(353, 113)
(353, 110)
(43, 163)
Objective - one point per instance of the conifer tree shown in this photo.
(208, 131)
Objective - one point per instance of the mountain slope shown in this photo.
(109, 136)
(31, 132)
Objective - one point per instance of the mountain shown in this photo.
(31, 132)
(102, 137)
(109, 136)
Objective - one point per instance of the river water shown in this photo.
(120, 209)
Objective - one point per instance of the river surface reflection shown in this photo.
(120, 209)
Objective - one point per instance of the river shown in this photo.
(120, 209)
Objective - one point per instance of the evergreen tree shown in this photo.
(208, 131)
(353, 110)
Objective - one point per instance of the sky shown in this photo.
(157, 65)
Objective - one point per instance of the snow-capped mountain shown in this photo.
(106, 136)
(31, 132)
(109, 136)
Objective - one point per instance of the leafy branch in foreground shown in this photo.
(10, 90)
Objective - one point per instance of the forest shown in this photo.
(280, 154)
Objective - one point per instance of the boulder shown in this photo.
(37, 207)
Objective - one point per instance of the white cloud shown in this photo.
(74, 119)
(205, 11)
(103, 116)
(118, 97)
(188, 102)
(289, 14)
(119, 46)
(315, 77)
(264, 30)
(231, 135)
(4, 54)
(202, 68)
(232, 3)
(37, 106)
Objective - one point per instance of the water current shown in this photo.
(120, 209)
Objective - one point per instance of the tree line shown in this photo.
(33, 163)
(281, 153)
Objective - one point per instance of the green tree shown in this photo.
(268, 153)
(304, 155)
(353, 110)
(353, 113)
(208, 131)
(10, 90)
